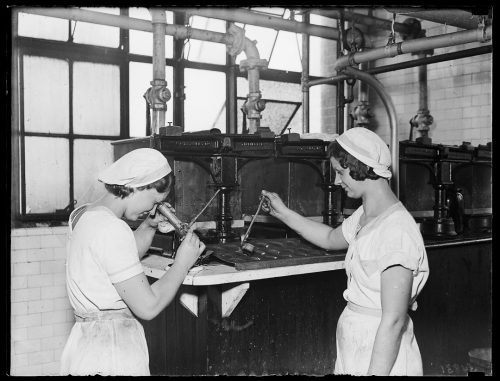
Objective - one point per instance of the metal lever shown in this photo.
(252, 221)
(202, 210)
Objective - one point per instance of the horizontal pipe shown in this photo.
(417, 45)
(454, 17)
(267, 21)
(178, 31)
(408, 64)
(364, 20)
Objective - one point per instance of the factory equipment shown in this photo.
(447, 188)
(235, 168)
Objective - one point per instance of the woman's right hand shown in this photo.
(273, 204)
(189, 250)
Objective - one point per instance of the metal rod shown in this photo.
(391, 110)
(304, 79)
(454, 17)
(417, 45)
(202, 210)
(268, 21)
(363, 19)
(159, 21)
(252, 221)
(178, 31)
(408, 64)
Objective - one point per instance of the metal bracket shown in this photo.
(229, 298)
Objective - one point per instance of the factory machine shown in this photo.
(218, 183)
(219, 178)
(447, 188)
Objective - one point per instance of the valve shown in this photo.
(158, 95)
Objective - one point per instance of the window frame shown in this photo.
(121, 57)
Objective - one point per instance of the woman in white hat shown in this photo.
(106, 284)
(386, 262)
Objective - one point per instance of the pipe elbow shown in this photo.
(250, 49)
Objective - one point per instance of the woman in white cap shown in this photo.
(106, 284)
(386, 262)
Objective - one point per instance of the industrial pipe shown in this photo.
(267, 21)
(454, 17)
(408, 64)
(159, 85)
(482, 34)
(179, 32)
(391, 110)
(368, 21)
(304, 78)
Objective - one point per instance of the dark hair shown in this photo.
(358, 171)
(162, 185)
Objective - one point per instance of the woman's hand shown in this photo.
(273, 205)
(189, 250)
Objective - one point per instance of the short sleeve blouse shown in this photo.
(393, 238)
(101, 251)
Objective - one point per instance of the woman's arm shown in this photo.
(317, 233)
(144, 235)
(147, 301)
(396, 283)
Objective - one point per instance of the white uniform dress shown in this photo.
(392, 238)
(106, 338)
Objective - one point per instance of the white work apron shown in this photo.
(106, 343)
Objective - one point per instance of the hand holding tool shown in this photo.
(252, 221)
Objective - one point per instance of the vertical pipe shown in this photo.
(391, 110)
(15, 186)
(159, 20)
(422, 80)
(305, 78)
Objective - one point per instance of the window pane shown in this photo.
(47, 174)
(275, 115)
(90, 157)
(45, 80)
(287, 52)
(272, 90)
(142, 42)
(205, 104)
(323, 52)
(265, 39)
(96, 99)
(205, 51)
(323, 114)
(141, 75)
(95, 34)
(37, 26)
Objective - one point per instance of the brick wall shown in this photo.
(459, 92)
(41, 316)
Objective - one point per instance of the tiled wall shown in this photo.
(459, 92)
(41, 316)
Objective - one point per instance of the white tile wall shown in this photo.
(41, 316)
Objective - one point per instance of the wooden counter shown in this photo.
(286, 317)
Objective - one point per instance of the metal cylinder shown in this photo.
(179, 226)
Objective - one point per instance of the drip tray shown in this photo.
(273, 253)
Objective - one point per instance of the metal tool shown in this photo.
(202, 210)
(180, 227)
(252, 221)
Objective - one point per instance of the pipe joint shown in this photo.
(253, 106)
(158, 95)
(238, 40)
(362, 114)
(253, 63)
(422, 121)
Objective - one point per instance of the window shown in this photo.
(81, 87)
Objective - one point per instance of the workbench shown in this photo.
(282, 320)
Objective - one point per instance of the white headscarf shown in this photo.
(369, 148)
(137, 168)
